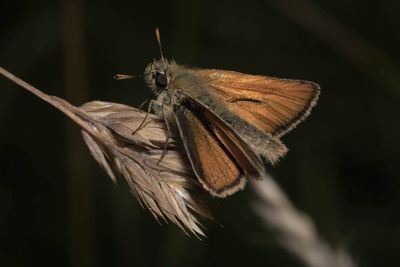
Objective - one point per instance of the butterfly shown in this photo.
(228, 121)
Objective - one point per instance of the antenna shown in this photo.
(126, 76)
(120, 76)
(159, 43)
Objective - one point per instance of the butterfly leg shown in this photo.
(151, 105)
(159, 109)
(144, 102)
(168, 135)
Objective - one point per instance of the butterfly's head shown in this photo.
(158, 75)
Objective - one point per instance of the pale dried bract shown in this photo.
(167, 188)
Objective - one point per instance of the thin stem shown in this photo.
(56, 102)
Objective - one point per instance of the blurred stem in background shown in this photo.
(186, 33)
(347, 42)
(80, 196)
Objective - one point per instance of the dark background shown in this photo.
(58, 208)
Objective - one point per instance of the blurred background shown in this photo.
(58, 207)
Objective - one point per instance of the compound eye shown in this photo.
(161, 80)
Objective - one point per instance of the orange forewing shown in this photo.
(270, 104)
(213, 164)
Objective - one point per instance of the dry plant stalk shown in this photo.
(167, 189)
(294, 230)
